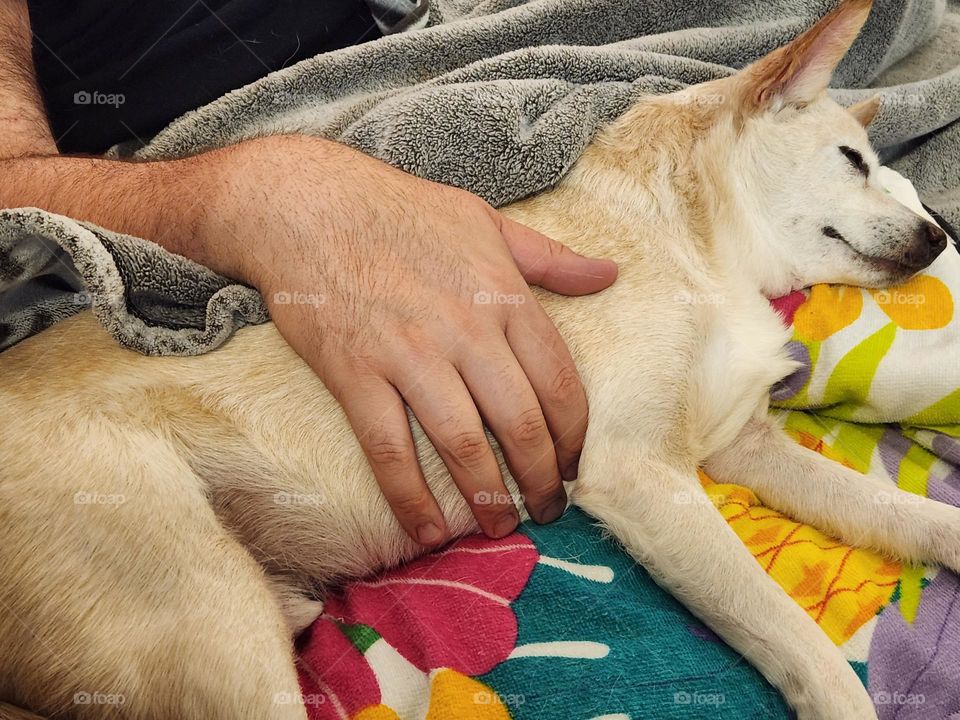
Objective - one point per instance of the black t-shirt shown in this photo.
(113, 71)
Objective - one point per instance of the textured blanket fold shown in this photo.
(499, 98)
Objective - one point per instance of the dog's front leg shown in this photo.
(858, 509)
(663, 518)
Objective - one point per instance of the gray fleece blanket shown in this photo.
(498, 97)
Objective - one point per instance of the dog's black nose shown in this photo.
(929, 242)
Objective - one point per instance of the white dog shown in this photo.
(181, 586)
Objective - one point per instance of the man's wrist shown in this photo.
(251, 219)
(198, 211)
(229, 213)
(240, 210)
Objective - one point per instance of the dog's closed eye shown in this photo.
(856, 159)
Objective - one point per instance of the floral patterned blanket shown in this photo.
(557, 623)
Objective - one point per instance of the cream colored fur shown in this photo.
(163, 521)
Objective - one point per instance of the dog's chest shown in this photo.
(742, 356)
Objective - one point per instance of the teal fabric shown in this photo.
(663, 662)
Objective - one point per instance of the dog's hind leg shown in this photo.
(663, 518)
(858, 509)
(122, 596)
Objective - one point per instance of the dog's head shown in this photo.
(803, 170)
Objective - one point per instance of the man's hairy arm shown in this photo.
(128, 197)
(162, 201)
(398, 262)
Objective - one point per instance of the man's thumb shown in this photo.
(553, 266)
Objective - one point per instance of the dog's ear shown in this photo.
(797, 73)
(865, 110)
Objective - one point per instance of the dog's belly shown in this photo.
(285, 471)
(266, 443)
(275, 454)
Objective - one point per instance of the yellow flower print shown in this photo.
(921, 303)
(828, 310)
(454, 696)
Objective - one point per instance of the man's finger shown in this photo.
(545, 359)
(555, 267)
(447, 414)
(379, 419)
(510, 408)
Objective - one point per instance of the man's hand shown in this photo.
(397, 290)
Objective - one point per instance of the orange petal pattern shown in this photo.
(454, 696)
(828, 310)
(921, 303)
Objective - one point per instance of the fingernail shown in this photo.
(553, 510)
(505, 525)
(429, 534)
(571, 471)
(605, 263)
